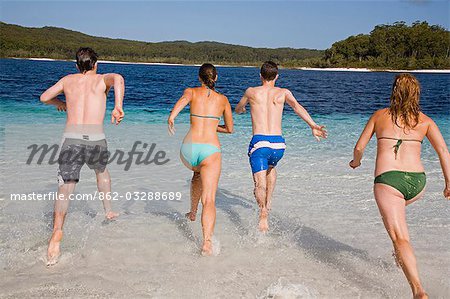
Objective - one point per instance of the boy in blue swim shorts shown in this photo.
(265, 151)
(267, 145)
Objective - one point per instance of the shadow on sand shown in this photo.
(318, 246)
(162, 209)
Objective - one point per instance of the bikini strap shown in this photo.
(209, 90)
(390, 138)
(399, 142)
(206, 116)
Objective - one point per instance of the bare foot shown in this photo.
(53, 251)
(269, 205)
(263, 220)
(421, 295)
(191, 216)
(111, 215)
(207, 249)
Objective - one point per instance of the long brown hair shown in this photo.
(405, 101)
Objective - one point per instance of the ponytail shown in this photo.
(208, 74)
(210, 83)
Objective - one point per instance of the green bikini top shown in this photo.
(399, 142)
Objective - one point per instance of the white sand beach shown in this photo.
(428, 71)
(374, 70)
(326, 238)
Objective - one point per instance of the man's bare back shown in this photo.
(86, 97)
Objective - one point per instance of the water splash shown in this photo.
(215, 246)
(286, 290)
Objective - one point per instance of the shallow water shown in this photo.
(326, 239)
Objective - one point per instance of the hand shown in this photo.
(117, 115)
(171, 126)
(319, 132)
(240, 110)
(447, 192)
(353, 164)
(61, 106)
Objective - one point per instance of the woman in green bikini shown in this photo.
(200, 151)
(399, 174)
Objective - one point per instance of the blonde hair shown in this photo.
(405, 101)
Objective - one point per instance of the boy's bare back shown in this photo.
(266, 106)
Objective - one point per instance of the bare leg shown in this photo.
(260, 191)
(271, 181)
(209, 173)
(392, 208)
(196, 192)
(59, 214)
(104, 186)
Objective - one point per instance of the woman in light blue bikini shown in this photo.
(200, 151)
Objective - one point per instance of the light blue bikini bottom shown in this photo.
(195, 153)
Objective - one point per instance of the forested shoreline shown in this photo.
(396, 46)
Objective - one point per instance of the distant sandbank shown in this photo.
(130, 62)
(341, 69)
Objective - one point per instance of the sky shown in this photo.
(272, 24)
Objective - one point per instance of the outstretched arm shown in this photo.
(228, 118)
(438, 143)
(180, 104)
(116, 81)
(240, 107)
(363, 140)
(49, 96)
(317, 131)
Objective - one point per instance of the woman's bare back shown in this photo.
(206, 104)
(395, 155)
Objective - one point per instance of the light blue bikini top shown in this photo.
(206, 116)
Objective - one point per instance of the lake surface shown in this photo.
(326, 240)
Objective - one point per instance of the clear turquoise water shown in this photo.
(326, 234)
(342, 101)
(152, 90)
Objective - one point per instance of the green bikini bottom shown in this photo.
(195, 153)
(410, 184)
